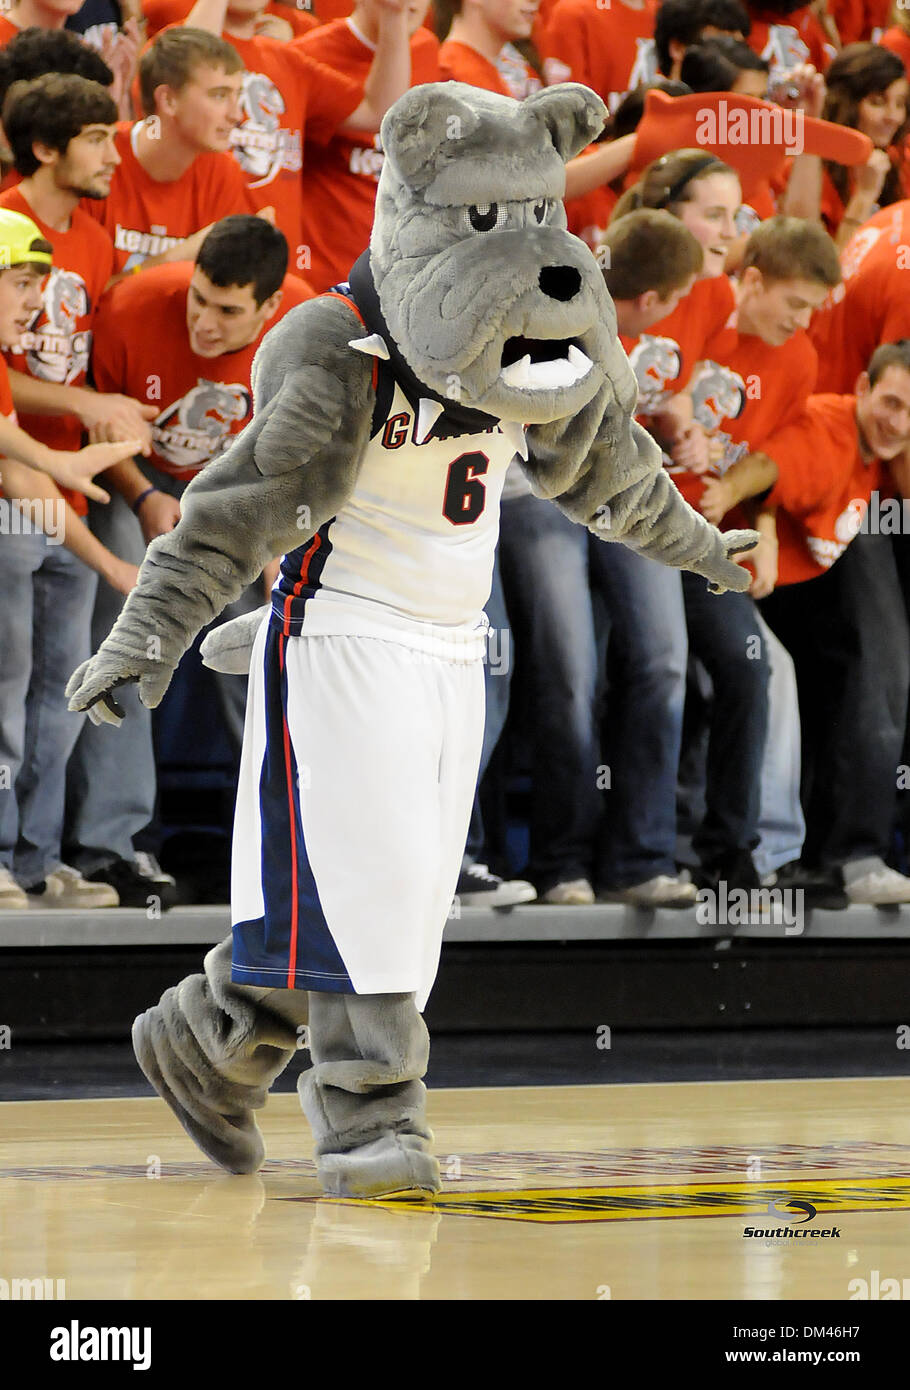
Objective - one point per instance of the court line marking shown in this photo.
(581, 1204)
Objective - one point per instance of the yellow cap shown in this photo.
(18, 234)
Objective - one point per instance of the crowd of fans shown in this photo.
(177, 177)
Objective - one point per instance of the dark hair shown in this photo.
(675, 19)
(52, 109)
(34, 51)
(713, 65)
(707, 70)
(792, 248)
(729, 16)
(684, 20)
(888, 355)
(173, 56)
(667, 181)
(860, 70)
(245, 250)
(630, 110)
(649, 250)
(777, 9)
(443, 12)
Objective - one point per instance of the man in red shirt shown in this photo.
(839, 610)
(60, 129)
(290, 97)
(753, 387)
(212, 316)
(175, 175)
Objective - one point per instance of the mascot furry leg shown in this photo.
(212, 1049)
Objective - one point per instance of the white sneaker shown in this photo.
(66, 887)
(11, 895)
(577, 893)
(878, 885)
(661, 891)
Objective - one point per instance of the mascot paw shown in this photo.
(228, 648)
(90, 687)
(727, 574)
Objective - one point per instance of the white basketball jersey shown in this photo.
(409, 558)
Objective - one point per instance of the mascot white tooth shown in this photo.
(475, 330)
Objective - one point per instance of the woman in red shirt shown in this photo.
(867, 91)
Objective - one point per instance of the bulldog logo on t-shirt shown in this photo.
(194, 430)
(655, 362)
(784, 50)
(55, 348)
(259, 144)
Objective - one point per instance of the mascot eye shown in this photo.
(484, 217)
(540, 210)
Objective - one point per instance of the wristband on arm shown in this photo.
(141, 498)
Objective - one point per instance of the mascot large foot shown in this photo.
(212, 1052)
(364, 1098)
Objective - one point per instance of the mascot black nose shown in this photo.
(560, 281)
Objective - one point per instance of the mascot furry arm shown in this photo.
(490, 314)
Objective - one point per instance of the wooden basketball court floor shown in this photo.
(572, 1192)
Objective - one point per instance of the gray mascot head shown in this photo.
(518, 329)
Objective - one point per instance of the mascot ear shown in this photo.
(572, 114)
(423, 125)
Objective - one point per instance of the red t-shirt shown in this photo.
(785, 43)
(823, 486)
(699, 328)
(588, 216)
(510, 75)
(204, 400)
(747, 392)
(857, 20)
(144, 217)
(160, 13)
(342, 173)
(288, 95)
(871, 306)
(8, 30)
(610, 50)
(58, 345)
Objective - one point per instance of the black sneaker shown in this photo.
(823, 888)
(477, 887)
(138, 880)
(736, 869)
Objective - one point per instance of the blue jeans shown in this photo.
(497, 678)
(111, 782)
(781, 824)
(544, 559)
(647, 655)
(724, 634)
(45, 633)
